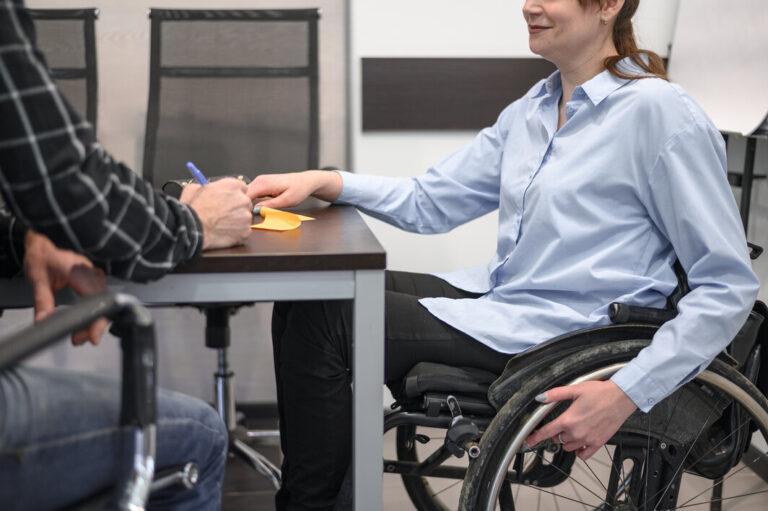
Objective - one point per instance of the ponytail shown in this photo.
(626, 46)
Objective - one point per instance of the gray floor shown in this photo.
(246, 490)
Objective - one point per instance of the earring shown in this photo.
(605, 20)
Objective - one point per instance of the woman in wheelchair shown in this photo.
(604, 175)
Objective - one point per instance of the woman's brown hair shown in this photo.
(626, 46)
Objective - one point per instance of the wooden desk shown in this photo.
(333, 257)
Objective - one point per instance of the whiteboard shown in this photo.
(720, 56)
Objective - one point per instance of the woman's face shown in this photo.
(562, 31)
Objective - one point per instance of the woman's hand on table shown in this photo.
(597, 411)
(286, 190)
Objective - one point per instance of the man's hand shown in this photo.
(224, 210)
(49, 269)
(598, 410)
(286, 190)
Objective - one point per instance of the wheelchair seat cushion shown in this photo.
(430, 377)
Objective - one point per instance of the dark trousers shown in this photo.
(312, 351)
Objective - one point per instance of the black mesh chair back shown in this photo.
(234, 91)
(67, 38)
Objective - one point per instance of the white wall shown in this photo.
(448, 28)
(122, 33)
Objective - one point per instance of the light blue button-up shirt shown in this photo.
(593, 213)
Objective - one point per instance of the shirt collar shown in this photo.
(597, 88)
(549, 86)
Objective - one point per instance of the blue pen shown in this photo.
(199, 177)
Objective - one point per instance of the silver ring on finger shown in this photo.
(559, 438)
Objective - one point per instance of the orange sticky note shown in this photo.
(276, 220)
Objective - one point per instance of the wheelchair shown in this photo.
(134, 326)
(679, 455)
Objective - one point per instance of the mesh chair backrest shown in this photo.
(67, 38)
(235, 91)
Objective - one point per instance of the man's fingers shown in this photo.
(93, 333)
(43, 295)
(96, 330)
(80, 337)
(87, 281)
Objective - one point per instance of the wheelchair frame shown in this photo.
(482, 491)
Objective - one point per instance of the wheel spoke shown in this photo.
(587, 506)
(569, 476)
(730, 474)
(459, 481)
(613, 465)
(594, 475)
(722, 499)
(690, 448)
(736, 430)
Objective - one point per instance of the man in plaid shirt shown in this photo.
(58, 430)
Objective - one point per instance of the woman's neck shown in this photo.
(577, 72)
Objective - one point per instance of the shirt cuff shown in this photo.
(639, 386)
(350, 189)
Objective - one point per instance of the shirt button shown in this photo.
(651, 401)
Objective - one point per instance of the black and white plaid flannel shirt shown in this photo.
(57, 179)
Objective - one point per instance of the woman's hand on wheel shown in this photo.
(286, 190)
(597, 411)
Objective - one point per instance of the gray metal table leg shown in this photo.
(368, 377)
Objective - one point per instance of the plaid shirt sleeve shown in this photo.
(58, 180)
(12, 244)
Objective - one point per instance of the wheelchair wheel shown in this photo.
(436, 484)
(429, 493)
(688, 452)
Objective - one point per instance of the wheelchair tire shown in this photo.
(660, 450)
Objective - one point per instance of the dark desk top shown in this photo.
(338, 239)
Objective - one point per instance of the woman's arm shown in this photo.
(461, 187)
(689, 200)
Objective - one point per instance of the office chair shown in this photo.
(236, 92)
(67, 38)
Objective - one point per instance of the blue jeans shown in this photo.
(60, 441)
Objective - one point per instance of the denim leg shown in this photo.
(60, 441)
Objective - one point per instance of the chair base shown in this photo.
(238, 446)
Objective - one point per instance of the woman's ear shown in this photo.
(610, 9)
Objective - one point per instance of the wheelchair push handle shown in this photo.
(63, 322)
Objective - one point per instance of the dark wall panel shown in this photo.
(443, 93)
